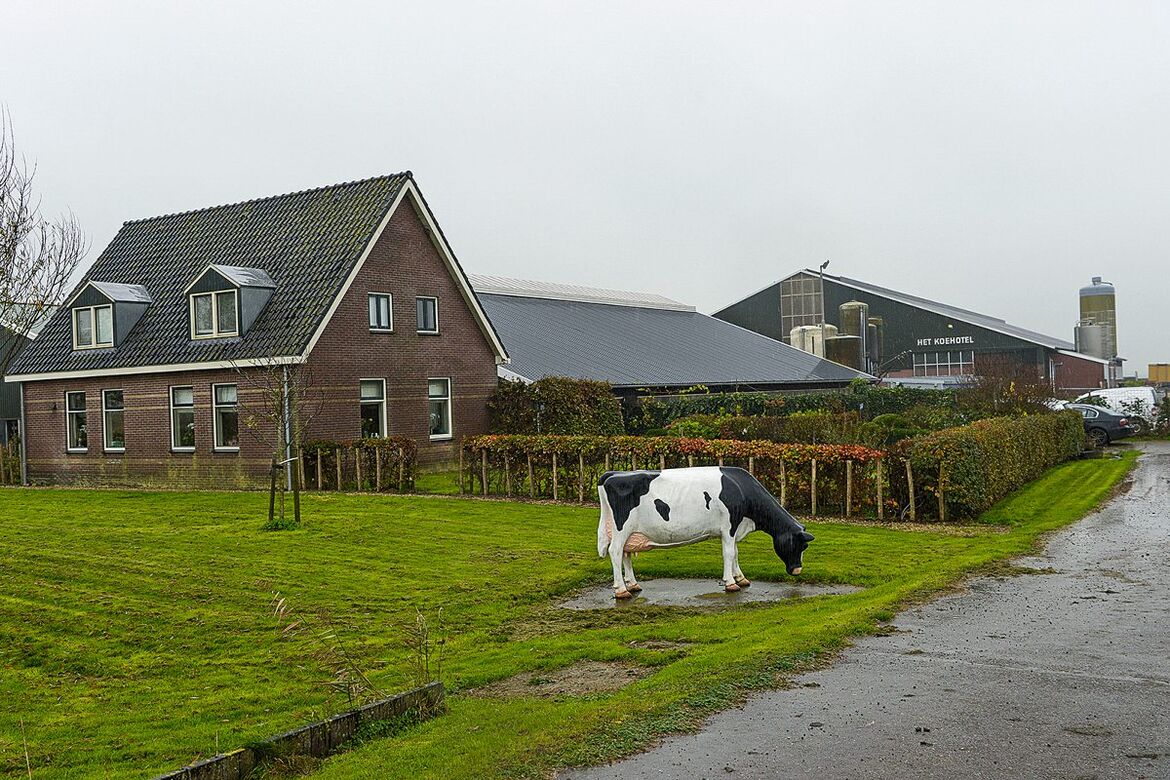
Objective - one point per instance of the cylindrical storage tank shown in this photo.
(846, 350)
(877, 340)
(1160, 373)
(1090, 339)
(854, 317)
(1099, 304)
(808, 337)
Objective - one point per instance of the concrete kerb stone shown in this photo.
(319, 739)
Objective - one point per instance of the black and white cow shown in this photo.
(643, 510)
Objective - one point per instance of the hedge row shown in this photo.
(556, 405)
(381, 463)
(976, 465)
(650, 413)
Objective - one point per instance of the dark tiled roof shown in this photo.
(640, 346)
(307, 242)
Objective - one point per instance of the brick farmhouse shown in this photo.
(154, 369)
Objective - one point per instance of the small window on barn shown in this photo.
(427, 311)
(439, 408)
(183, 419)
(76, 440)
(373, 407)
(113, 421)
(227, 417)
(381, 312)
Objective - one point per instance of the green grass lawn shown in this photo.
(136, 633)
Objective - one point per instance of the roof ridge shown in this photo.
(408, 174)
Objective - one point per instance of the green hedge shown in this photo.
(653, 413)
(555, 405)
(984, 461)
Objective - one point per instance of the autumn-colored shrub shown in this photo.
(984, 461)
(375, 463)
(555, 405)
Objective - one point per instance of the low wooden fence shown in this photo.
(375, 465)
(816, 480)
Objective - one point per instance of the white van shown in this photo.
(1142, 403)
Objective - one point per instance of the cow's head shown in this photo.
(790, 546)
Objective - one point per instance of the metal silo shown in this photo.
(1090, 339)
(877, 334)
(1099, 304)
(854, 317)
(808, 337)
(846, 350)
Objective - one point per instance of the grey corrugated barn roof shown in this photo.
(632, 340)
(954, 312)
(305, 242)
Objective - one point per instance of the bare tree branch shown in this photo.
(38, 256)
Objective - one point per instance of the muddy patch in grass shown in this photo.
(703, 594)
(581, 679)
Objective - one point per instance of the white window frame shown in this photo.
(215, 407)
(93, 329)
(216, 333)
(171, 395)
(69, 414)
(418, 327)
(105, 424)
(450, 434)
(389, 310)
(362, 401)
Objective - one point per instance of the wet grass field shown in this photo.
(136, 631)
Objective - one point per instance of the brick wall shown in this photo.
(1073, 373)
(403, 263)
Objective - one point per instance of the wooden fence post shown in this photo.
(531, 481)
(910, 485)
(402, 470)
(337, 458)
(607, 461)
(661, 462)
(752, 465)
(581, 477)
(301, 469)
(357, 466)
(483, 470)
(814, 487)
(942, 501)
(554, 476)
(460, 469)
(319, 487)
(377, 469)
(848, 487)
(507, 475)
(881, 508)
(720, 460)
(272, 492)
(783, 484)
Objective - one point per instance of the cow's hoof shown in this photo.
(622, 594)
(731, 587)
(743, 582)
(633, 587)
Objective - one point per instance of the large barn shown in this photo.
(905, 337)
(639, 342)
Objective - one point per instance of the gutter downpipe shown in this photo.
(23, 441)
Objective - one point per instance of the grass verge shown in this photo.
(135, 632)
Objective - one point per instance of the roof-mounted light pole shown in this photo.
(824, 346)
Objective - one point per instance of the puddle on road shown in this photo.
(709, 594)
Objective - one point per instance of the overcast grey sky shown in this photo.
(990, 155)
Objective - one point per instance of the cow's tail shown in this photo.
(605, 525)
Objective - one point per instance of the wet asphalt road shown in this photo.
(1062, 675)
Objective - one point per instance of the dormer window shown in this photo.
(215, 315)
(93, 327)
(104, 313)
(225, 300)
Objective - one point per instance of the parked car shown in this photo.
(1103, 426)
(1140, 404)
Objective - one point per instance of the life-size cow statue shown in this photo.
(642, 510)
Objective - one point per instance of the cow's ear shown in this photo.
(806, 536)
